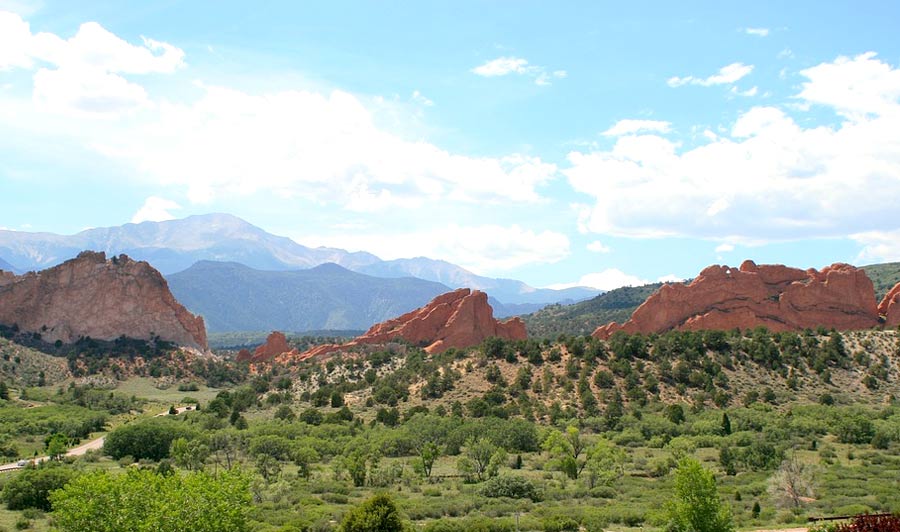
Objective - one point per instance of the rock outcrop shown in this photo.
(458, 319)
(99, 298)
(276, 346)
(774, 296)
(889, 307)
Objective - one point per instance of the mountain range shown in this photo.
(235, 297)
(177, 245)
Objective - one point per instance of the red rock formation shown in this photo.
(890, 307)
(458, 319)
(276, 345)
(103, 299)
(243, 355)
(774, 296)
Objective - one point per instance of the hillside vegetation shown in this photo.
(883, 276)
(583, 317)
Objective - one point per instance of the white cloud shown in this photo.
(858, 88)
(598, 247)
(303, 144)
(83, 75)
(724, 248)
(155, 209)
(226, 142)
(483, 249)
(725, 76)
(878, 246)
(752, 91)
(758, 32)
(503, 66)
(769, 177)
(605, 280)
(630, 126)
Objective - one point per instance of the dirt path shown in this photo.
(80, 450)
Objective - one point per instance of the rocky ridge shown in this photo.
(458, 319)
(90, 296)
(276, 345)
(778, 297)
(890, 307)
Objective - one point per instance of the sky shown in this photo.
(559, 143)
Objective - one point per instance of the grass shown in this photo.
(144, 388)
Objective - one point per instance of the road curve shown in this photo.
(92, 445)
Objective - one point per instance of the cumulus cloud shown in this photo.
(769, 177)
(503, 66)
(725, 76)
(607, 279)
(155, 209)
(878, 246)
(630, 126)
(483, 249)
(304, 144)
(323, 147)
(83, 74)
(758, 32)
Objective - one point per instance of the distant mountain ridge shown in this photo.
(234, 297)
(508, 291)
(175, 245)
(5, 266)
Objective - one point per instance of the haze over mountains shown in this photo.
(234, 297)
(259, 262)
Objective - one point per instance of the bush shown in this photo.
(696, 506)
(378, 514)
(142, 500)
(511, 486)
(149, 439)
(872, 523)
(472, 524)
(31, 488)
(559, 523)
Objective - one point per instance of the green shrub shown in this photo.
(378, 514)
(150, 439)
(511, 486)
(31, 488)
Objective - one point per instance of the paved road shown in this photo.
(81, 449)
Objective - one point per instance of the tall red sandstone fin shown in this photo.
(458, 319)
(889, 307)
(775, 296)
(99, 298)
(276, 344)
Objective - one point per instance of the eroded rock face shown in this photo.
(103, 299)
(890, 307)
(458, 319)
(276, 345)
(775, 296)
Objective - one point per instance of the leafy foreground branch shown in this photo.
(144, 501)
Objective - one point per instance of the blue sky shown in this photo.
(597, 143)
